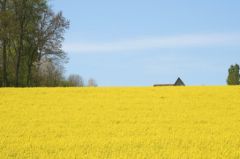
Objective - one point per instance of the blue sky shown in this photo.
(144, 42)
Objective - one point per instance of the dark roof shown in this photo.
(156, 85)
(178, 82)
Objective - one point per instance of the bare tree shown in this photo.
(50, 74)
(48, 39)
(92, 83)
(75, 81)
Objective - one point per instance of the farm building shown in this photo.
(178, 82)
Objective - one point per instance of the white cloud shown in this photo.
(180, 41)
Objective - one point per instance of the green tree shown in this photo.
(233, 75)
(31, 33)
(5, 15)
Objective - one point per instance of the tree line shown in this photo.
(31, 37)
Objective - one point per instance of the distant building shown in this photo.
(178, 82)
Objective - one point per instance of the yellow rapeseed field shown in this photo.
(134, 123)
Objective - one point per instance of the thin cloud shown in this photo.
(180, 41)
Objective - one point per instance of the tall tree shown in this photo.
(46, 40)
(4, 16)
(233, 75)
(30, 33)
(49, 37)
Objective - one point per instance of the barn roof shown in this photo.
(178, 82)
(163, 85)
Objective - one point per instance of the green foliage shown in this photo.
(233, 75)
(30, 34)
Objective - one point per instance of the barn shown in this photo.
(178, 82)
